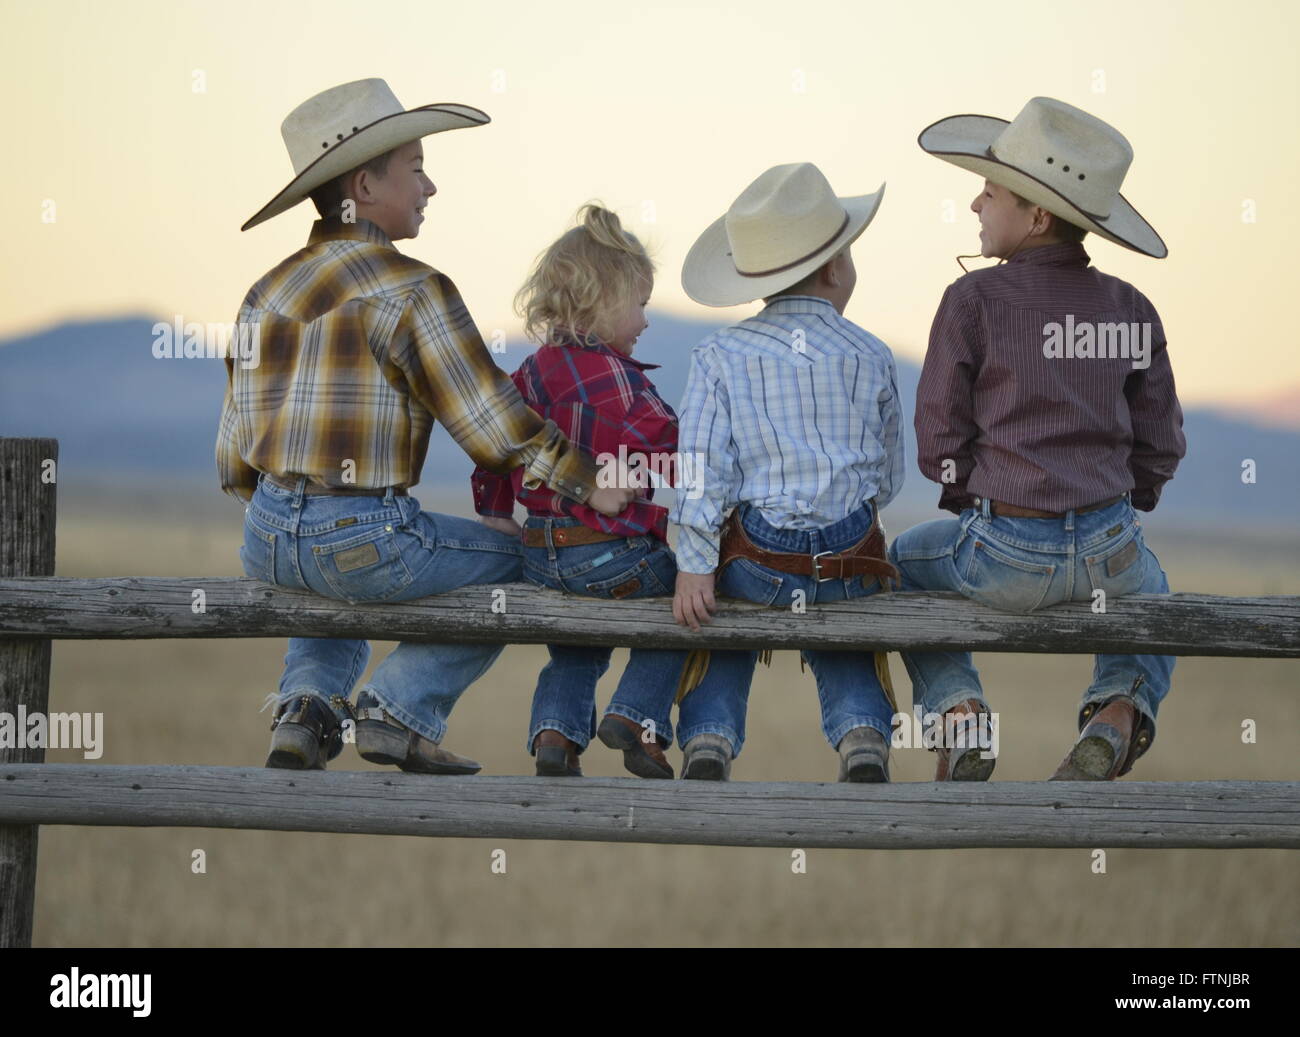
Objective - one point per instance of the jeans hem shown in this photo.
(434, 734)
(737, 743)
(571, 733)
(837, 733)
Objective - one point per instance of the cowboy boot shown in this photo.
(1106, 746)
(864, 756)
(383, 739)
(707, 757)
(306, 733)
(642, 758)
(964, 762)
(557, 756)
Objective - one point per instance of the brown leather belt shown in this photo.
(568, 536)
(315, 489)
(865, 558)
(1015, 511)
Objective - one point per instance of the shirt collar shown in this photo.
(800, 304)
(563, 338)
(333, 229)
(1065, 253)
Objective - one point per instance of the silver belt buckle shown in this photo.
(817, 567)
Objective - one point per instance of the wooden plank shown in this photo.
(127, 607)
(27, 508)
(902, 816)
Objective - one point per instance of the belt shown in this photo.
(315, 489)
(1014, 511)
(865, 558)
(568, 536)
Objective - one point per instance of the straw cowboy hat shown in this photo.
(783, 226)
(1055, 156)
(345, 126)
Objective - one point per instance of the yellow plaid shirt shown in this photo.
(360, 349)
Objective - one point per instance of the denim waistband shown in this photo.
(836, 537)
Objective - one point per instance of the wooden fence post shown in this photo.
(27, 512)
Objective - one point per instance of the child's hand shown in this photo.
(610, 500)
(502, 525)
(693, 603)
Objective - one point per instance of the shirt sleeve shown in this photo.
(709, 477)
(891, 423)
(1157, 422)
(451, 374)
(237, 478)
(945, 422)
(650, 431)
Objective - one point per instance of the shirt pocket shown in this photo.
(998, 578)
(367, 566)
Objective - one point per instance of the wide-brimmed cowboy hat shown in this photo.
(1056, 156)
(783, 226)
(345, 126)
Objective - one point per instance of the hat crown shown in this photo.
(1074, 153)
(783, 218)
(325, 120)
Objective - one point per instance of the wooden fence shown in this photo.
(36, 607)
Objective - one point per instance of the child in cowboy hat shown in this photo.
(1044, 447)
(795, 415)
(362, 349)
(585, 303)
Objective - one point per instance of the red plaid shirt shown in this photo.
(601, 400)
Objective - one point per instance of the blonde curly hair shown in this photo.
(585, 280)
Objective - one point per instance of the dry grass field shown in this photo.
(197, 702)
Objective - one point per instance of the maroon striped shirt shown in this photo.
(1052, 432)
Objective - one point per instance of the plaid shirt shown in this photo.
(361, 350)
(602, 401)
(794, 410)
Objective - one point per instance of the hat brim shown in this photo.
(392, 131)
(709, 275)
(964, 140)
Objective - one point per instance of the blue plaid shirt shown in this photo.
(794, 410)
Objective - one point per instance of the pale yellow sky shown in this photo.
(665, 112)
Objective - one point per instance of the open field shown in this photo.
(197, 701)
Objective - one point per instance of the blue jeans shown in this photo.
(847, 687)
(380, 548)
(565, 699)
(1024, 564)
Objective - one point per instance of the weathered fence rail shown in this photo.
(37, 608)
(903, 816)
(148, 607)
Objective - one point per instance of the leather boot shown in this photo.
(642, 758)
(964, 761)
(383, 739)
(1105, 747)
(557, 756)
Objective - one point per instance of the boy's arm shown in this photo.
(451, 374)
(237, 478)
(494, 494)
(1157, 422)
(705, 443)
(945, 423)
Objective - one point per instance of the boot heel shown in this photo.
(378, 742)
(552, 761)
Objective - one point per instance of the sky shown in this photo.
(126, 185)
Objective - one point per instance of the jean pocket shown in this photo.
(638, 581)
(365, 567)
(1001, 580)
(258, 552)
(1120, 569)
(749, 581)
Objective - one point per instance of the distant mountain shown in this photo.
(120, 413)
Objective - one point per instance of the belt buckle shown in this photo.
(817, 567)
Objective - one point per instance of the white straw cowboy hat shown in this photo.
(1055, 156)
(783, 226)
(348, 125)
